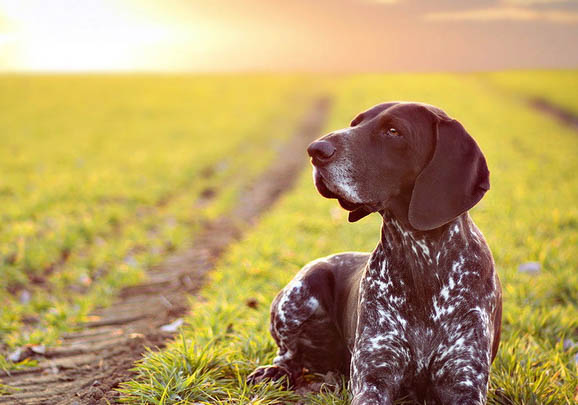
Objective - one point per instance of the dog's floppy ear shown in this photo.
(454, 180)
(358, 118)
(371, 113)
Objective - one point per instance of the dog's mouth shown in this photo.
(321, 186)
(356, 211)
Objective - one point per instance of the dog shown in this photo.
(420, 317)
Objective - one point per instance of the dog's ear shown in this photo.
(360, 117)
(372, 112)
(454, 180)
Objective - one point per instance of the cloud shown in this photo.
(506, 13)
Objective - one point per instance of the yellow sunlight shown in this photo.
(89, 35)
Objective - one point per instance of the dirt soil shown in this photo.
(558, 113)
(89, 364)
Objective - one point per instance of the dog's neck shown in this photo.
(397, 228)
(412, 251)
(408, 257)
(398, 238)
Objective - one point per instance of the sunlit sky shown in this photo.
(273, 35)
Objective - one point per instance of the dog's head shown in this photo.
(399, 153)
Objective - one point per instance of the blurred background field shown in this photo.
(104, 176)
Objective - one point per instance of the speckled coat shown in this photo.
(420, 316)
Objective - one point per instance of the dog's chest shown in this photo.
(417, 290)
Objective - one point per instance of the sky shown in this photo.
(290, 35)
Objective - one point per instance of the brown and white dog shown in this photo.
(420, 316)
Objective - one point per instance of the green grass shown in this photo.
(558, 87)
(530, 214)
(101, 175)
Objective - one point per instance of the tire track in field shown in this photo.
(41, 278)
(539, 104)
(560, 114)
(90, 364)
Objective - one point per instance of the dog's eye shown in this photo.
(392, 132)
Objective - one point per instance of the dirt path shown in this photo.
(89, 364)
(554, 111)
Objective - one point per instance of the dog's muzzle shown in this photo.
(327, 193)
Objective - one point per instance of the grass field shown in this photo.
(557, 87)
(529, 215)
(102, 175)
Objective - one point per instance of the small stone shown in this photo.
(16, 355)
(532, 268)
(39, 349)
(25, 297)
(173, 326)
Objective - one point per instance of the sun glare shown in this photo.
(89, 35)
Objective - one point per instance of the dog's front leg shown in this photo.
(377, 367)
(290, 310)
(461, 367)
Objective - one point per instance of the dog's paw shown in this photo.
(270, 373)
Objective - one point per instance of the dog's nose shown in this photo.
(321, 150)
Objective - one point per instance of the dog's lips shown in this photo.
(321, 187)
(349, 206)
(327, 193)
